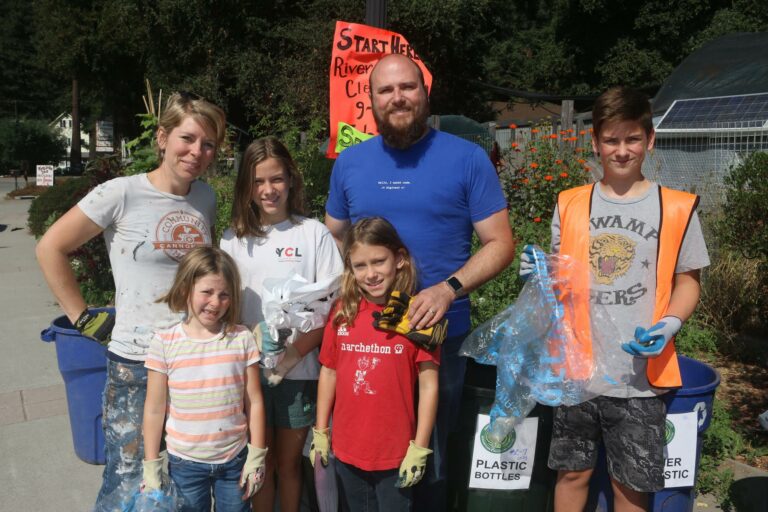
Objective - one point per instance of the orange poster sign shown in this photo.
(356, 50)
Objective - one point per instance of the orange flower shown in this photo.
(558, 162)
(535, 130)
(512, 125)
(525, 181)
(514, 144)
(537, 219)
(587, 168)
(548, 177)
(581, 161)
(534, 165)
(533, 150)
(582, 132)
(553, 136)
(569, 130)
(563, 174)
(579, 150)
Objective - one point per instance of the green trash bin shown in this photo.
(477, 398)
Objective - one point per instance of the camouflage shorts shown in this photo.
(632, 430)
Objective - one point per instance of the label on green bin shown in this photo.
(680, 450)
(503, 464)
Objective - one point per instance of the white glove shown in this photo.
(288, 360)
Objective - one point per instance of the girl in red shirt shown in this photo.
(369, 376)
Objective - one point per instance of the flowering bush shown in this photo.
(540, 168)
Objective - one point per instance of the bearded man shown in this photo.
(436, 189)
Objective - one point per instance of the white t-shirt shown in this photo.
(147, 232)
(305, 248)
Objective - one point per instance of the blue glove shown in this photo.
(532, 260)
(651, 342)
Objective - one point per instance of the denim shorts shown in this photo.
(197, 482)
(632, 430)
(290, 404)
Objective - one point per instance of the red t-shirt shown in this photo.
(374, 415)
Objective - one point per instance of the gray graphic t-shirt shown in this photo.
(624, 239)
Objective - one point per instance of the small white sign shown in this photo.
(507, 464)
(45, 175)
(680, 450)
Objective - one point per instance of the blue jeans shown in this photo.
(370, 491)
(430, 493)
(196, 480)
(122, 414)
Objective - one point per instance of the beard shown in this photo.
(402, 137)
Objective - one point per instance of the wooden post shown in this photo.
(566, 116)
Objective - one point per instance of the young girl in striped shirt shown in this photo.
(204, 372)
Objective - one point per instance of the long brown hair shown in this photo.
(246, 217)
(200, 262)
(371, 231)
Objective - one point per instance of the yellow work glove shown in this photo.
(413, 465)
(321, 445)
(394, 317)
(96, 325)
(252, 477)
(152, 478)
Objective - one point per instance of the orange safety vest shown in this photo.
(676, 210)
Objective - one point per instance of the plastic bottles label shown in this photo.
(680, 450)
(504, 464)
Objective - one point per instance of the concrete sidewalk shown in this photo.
(39, 469)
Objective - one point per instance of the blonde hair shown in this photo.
(371, 231)
(246, 217)
(182, 105)
(201, 262)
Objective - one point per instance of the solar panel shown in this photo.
(745, 111)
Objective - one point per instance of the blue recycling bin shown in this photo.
(696, 395)
(83, 366)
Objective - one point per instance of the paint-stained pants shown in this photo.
(123, 410)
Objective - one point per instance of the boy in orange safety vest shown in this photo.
(644, 248)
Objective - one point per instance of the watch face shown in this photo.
(454, 283)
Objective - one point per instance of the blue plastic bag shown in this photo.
(534, 345)
(128, 497)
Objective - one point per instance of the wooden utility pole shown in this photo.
(376, 13)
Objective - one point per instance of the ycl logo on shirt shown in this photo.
(503, 464)
(680, 450)
(288, 252)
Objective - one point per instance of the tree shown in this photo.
(25, 144)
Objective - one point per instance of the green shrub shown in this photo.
(720, 442)
(539, 170)
(696, 340)
(55, 201)
(746, 204)
(90, 262)
(224, 186)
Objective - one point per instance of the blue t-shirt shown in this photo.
(431, 192)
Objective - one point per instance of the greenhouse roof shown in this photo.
(735, 64)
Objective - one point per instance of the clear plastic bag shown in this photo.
(545, 347)
(127, 497)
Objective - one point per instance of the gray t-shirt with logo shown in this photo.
(624, 239)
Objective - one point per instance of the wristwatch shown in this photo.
(455, 285)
